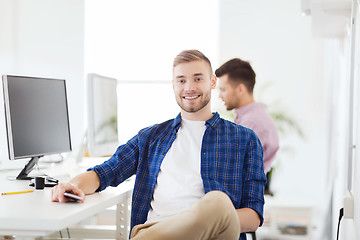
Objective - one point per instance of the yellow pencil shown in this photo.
(9, 193)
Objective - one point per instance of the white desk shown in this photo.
(33, 214)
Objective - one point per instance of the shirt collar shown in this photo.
(249, 107)
(177, 121)
(213, 121)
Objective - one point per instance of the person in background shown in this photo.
(236, 84)
(198, 176)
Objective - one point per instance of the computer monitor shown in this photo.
(37, 120)
(102, 109)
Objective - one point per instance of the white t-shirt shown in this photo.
(179, 184)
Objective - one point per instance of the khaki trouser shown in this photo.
(212, 218)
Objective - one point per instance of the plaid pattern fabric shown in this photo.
(231, 161)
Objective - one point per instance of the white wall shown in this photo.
(337, 73)
(337, 82)
(45, 39)
(137, 41)
(350, 227)
(276, 39)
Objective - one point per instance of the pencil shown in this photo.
(9, 193)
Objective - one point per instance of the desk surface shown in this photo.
(33, 214)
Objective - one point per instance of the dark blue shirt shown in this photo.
(231, 161)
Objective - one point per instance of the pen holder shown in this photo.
(39, 183)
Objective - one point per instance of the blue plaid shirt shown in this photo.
(231, 161)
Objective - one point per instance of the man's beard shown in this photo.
(192, 109)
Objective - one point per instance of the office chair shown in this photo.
(253, 235)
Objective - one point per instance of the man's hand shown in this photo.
(84, 183)
(57, 192)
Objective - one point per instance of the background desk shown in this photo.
(33, 214)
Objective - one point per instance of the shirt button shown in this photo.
(163, 153)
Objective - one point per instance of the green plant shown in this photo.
(285, 124)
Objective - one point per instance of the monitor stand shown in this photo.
(24, 174)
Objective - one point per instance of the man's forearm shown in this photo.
(249, 219)
(88, 182)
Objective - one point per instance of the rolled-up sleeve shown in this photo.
(120, 166)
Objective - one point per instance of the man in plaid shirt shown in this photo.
(198, 176)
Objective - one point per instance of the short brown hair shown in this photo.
(189, 56)
(238, 71)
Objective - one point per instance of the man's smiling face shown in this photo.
(192, 84)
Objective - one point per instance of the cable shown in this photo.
(341, 214)
(38, 169)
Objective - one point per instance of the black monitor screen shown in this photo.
(36, 116)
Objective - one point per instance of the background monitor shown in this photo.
(102, 130)
(144, 103)
(36, 116)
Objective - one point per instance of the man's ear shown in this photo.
(213, 81)
(240, 88)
